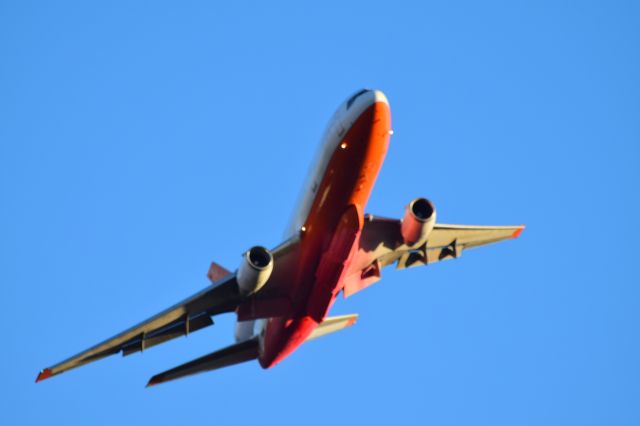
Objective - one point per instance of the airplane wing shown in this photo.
(189, 315)
(381, 245)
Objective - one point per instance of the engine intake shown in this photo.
(418, 222)
(255, 270)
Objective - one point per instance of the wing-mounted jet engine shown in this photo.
(418, 222)
(252, 275)
(255, 270)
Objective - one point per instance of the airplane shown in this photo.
(281, 297)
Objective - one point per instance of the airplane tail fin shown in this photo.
(333, 324)
(234, 354)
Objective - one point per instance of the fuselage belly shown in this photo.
(330, 218)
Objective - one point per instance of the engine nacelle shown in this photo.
(256, 267)
(418, 222)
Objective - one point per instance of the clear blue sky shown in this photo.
(141, 140)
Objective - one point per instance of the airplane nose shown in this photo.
(369, 96)
(378, 96)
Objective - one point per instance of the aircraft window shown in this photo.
(353, 98)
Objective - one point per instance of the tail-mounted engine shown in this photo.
(418, 222)
(256, 267)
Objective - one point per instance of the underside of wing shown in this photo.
(448, 242)
(193, 313)
(381, 244)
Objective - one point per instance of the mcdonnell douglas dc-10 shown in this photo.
(282, 296)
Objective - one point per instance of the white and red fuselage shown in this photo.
(329, 218)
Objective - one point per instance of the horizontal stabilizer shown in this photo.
(333, 324)
(234, 354)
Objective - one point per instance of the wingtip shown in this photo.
(44, 374)
(153, 381)
(518, 231)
